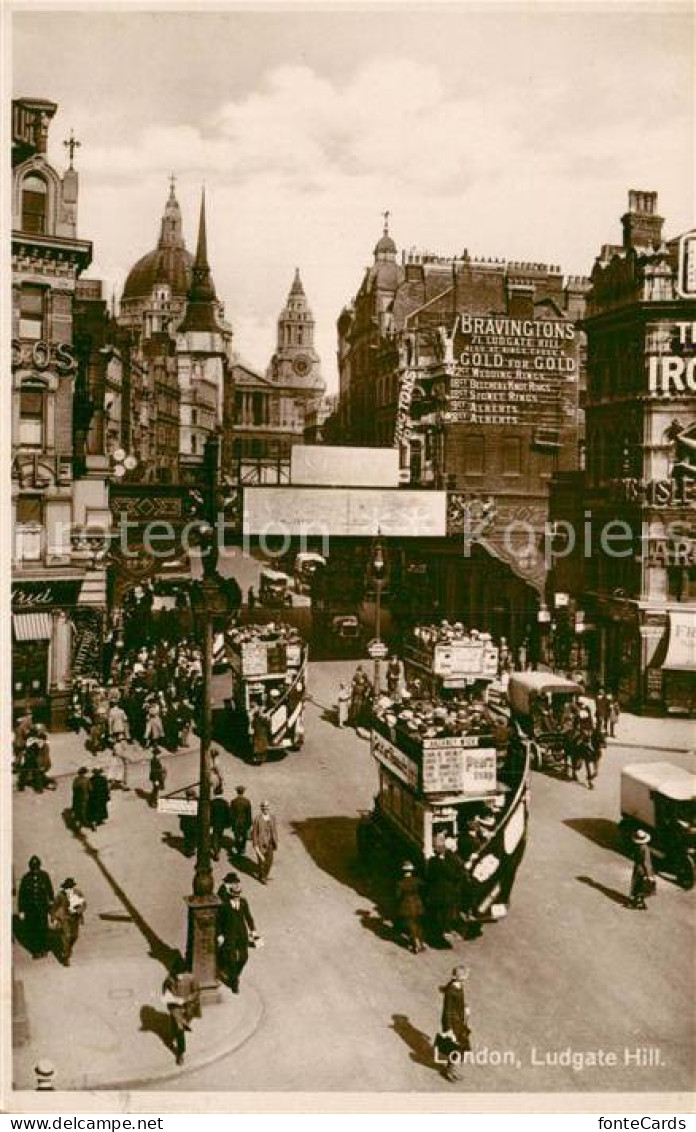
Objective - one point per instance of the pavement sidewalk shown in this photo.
(671, 733)
(119, 1038)
(69, 753)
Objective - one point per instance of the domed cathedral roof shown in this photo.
(169, 263)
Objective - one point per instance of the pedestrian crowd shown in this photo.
(153, 696)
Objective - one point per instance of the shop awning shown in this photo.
(681, 654)
(32, 626)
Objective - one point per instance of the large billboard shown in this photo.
(361, 512)
(324, 466)
(511, 371)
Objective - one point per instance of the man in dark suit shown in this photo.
(80, 798)
(240, 820)
(443, 884)
(219, 820)
(235, 927)
(34, 901)
(455, 1019)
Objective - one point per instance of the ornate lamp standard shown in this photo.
(210, 602)
(378, 572)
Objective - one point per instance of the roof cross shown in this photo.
(71, 144)
(386, 216)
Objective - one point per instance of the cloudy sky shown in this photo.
(511, 130)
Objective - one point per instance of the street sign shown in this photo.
(377, 650)
(180, 806)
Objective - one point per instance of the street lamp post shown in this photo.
(378, 567)
(203, 904)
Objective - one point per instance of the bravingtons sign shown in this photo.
(511, 370)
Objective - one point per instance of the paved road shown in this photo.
(246, 568)
(346, 1007)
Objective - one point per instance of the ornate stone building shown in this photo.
(203, 343)
(637, 586)
(268, 410)
(473, 369)
(180, 336)
(58, 495)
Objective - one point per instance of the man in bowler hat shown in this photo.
(455, 1019)
(235, 928)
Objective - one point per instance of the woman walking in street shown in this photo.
(158, 776)
(67, 913)
(643, 876)
(409, 907)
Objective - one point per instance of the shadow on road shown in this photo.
(242, 864)
(173, 841)
(159, 950)
(602, 831)
(157, 1022)
(611, 893)
(380, 927)
(331, 844)
(419, 1043)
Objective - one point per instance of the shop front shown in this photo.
(43, 644)
(679, 667)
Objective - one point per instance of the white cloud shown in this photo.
(299, 169)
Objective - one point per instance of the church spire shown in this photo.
(201, 308)
(171, 233)
(202, 247)
(297, 289)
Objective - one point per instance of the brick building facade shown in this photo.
(474, 369)
(58, 494)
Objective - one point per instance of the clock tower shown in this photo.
(295, 363)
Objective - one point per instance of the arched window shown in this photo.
(34, 204)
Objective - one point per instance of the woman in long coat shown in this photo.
(409, 907)
(33, 903)
(154, 728)
(98, 801)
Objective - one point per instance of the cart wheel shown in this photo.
(686, 873)
(537, 758)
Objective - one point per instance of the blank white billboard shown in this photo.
(321, 465)
(363, 512)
